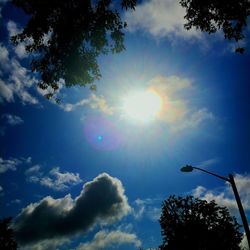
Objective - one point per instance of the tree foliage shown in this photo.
(66, 37)
(7, 241)
(190, 223)
(209, 16)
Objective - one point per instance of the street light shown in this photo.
(230, 179)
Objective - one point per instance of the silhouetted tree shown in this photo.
(7, 241)
(67, 36)
(230, 16)
(190, 223)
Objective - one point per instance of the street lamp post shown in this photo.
(230, 179)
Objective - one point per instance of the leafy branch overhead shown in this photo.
(209, 16)
(66, 37)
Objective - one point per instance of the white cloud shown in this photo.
(6, 92)
(12, 120)
(47, 244)
(101, 201)
(12, 28)
(194, 119)
(1, 191)
(33, 170)
(60, 180)
(208, 162)
(226, 196)
(94, 102)
(108, 240)
(20, 48)
(16, 201)
(149, 208)
(9, 119)
(17, 80)
(10, 164)
(160, 18)
(56, 180)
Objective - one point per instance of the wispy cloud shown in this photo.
(12, 120)
(48, 244)
(12, 163)
(226, 197)
(208, 162)
(9, 164)
(9, 120)
(55, 179)
(176, 112)
(160, 18)
(107, 240)
(1, 191)
(101, 201)
(2, 3)
(147, 208)
(194, 119)
(94, 102)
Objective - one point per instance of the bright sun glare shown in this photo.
(142, 106)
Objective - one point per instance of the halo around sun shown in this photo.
(142, 106)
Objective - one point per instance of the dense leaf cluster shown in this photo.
(66, 37)
(7, 241)
(190, 223)
(209, 16)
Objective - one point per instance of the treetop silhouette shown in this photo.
(191, 223)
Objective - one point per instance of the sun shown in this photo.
(142, 106)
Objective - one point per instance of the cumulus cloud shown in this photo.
(101, 201)
(108, 240)
(56, 180)
(94, 102)
(175, 109)
(160, 18)
(17, 80)
(226, 196)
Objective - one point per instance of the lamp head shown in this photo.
(187, 168)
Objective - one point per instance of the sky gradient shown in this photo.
(87, 169)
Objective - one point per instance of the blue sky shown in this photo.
(64, 158)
